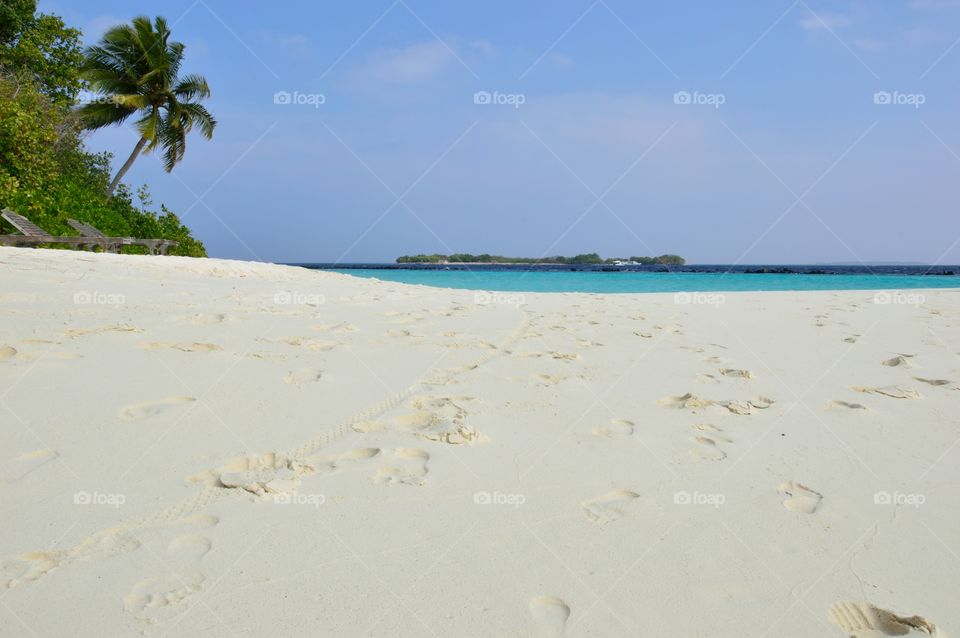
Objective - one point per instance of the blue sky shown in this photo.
(764, 131)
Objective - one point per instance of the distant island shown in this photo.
(587, 258)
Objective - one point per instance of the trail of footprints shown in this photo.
(432, 419)
(167, 595)
(435, 419)
(895, 391)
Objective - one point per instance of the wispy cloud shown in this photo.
(487, 48)
(414, 64)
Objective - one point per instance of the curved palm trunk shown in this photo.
(126, 166)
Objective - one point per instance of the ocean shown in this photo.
(638, 279)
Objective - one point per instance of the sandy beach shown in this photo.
(221, 448)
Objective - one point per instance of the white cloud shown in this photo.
(487, 48)
(414, 64)
(824, 21)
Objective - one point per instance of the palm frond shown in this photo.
(199, 116)
(96, 115)
(192, 87)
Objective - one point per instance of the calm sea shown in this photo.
(628, 279)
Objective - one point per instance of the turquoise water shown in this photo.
(631, 282)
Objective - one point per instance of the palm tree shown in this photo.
(134, 70)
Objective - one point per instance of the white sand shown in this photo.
(214, 448)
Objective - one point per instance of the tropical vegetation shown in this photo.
(584, 259)
(46, 172)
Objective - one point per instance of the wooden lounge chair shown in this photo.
(155, 246)
(33, 235)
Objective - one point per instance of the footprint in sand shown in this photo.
(81, 332)
(846, 404)
(163, 597)
(617, 427)
(692, 402)
(439, 419)
(736, 373)
(899, 361)
(934, 382)
(863, 620)
(686, 401)
(307, 375)
(182, 346)
(550, 616)
(317, 345)
(892, 391)
(7, 352)
(707, 449)
(207, 319)
(607, 507)
(331, 463)
(801, 499)
(29, 567)
(548, 379)
(749, 406)
(16, 468)
(406, 466)
(259, 474)
(147, 409)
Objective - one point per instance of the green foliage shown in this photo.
(41, 47)
(665, 260)
(14, 16)
(46, 173)
(48, 176)
(586, 258)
